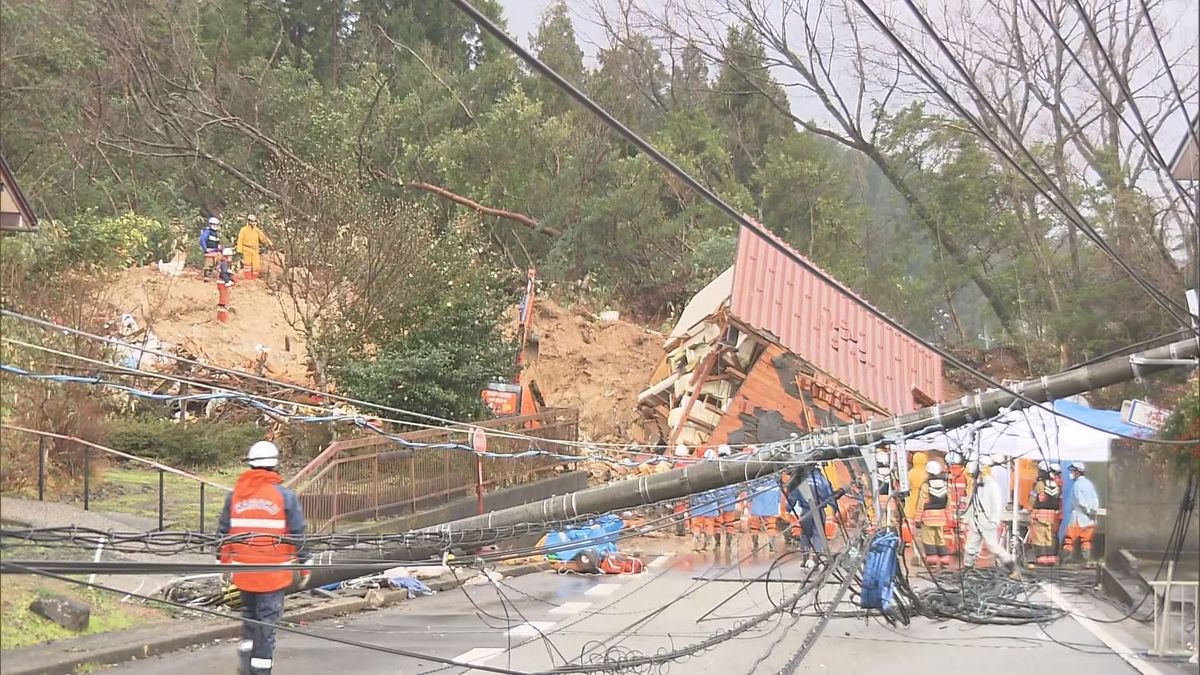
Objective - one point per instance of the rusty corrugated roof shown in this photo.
(824, 323)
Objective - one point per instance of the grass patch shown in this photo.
(134, 490)
(19, 627)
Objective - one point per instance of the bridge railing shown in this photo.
(366, 478)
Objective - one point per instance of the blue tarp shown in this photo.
(600, 535)
(1107, 420)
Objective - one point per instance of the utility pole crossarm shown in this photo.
(827, 444)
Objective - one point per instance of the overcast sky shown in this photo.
(523, 17)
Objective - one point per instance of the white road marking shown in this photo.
(659, 561)
(479, 655)
(569, 608)
(531, 629)
(602, 590)
(1101, 633)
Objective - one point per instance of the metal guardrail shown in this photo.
(170, 480)
(1176, 626)
(362, 479)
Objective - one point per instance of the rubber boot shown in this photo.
(1014, 572)
(754, 541)
(728, 542)
(716, 541)
(696, 541)
(704, 543)
(772, 543)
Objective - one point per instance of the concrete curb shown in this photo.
(105, 649)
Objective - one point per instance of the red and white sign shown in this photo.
(479, 440)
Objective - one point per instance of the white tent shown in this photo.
(1034, 433)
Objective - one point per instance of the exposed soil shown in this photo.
(597, 366)
(182, 311)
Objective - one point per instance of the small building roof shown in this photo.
(1185, 165)
(16, 214)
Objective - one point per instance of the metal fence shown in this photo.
(1176, 617)
(363, 479)
(131, 485)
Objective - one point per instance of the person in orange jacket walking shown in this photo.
(268, 523)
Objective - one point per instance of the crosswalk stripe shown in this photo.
(602, 590)
(478, 655)
(659, 561)
(571, 608)
(531, 628)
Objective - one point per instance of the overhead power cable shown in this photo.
(104, 366)
(632, 137)
(1059, 199)
(1144, 134)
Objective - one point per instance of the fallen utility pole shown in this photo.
(827, 444)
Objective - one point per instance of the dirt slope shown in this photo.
(182, 311)
(597, 366)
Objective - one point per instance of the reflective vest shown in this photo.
(937, 498)
(257, 508)
(1048, 495)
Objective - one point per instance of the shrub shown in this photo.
(193, 445)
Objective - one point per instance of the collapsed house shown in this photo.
(769, 349)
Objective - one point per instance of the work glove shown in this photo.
(303, 576)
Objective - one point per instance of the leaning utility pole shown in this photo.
(827, 444)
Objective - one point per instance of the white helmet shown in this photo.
(999, 458)
(263, 455)
(1043, 466)
(214, 221)
(883, 458)
(1055, 468)
(227, 252)
(724, 450)
(954, 458)
(681, 451)
(710, 454)
(1078, 466)
(972, 467)
(933, 468)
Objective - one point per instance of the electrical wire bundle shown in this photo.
(982, 597)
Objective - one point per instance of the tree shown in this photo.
(555, 45)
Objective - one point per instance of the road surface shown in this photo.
(545, 619)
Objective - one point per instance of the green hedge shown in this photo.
(192, 445)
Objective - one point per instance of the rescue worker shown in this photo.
(982, 520)
(730, 515)
(210, 244)
(916, 478)
(704, 514)
(1046, 506)
(225, 267)
(262, 511)
(1085, 503)
(764, 512)
(251, 240)
(809, 493)
(1056, 474)
(1001, 476)
(682, 458)
(961, 483)
(933, 502)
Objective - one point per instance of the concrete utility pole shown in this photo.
(834, 443)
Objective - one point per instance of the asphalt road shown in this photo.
(544, 620)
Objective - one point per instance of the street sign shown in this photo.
(1143, 414)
